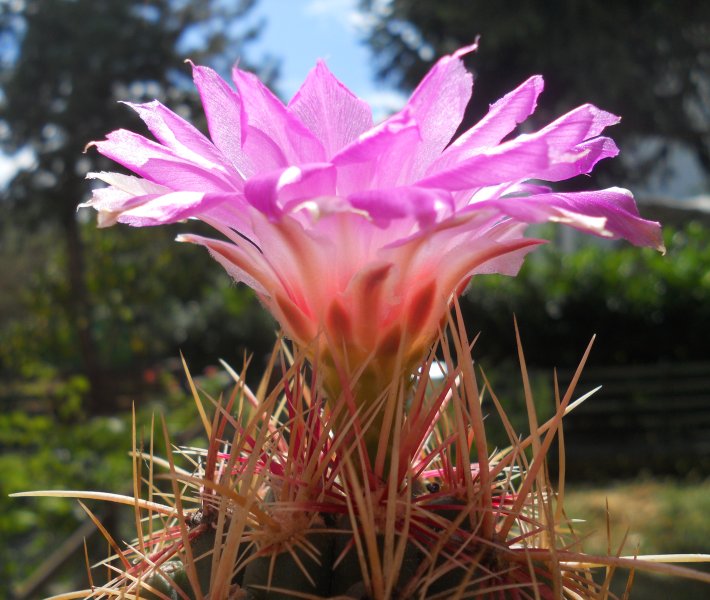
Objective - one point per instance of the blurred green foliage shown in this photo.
(662, 516)
(150, 299)
(41, 453)
(153, 296)
(656, 517)
(645, 307)
(64, 67)
(147, 298)
(44, 451)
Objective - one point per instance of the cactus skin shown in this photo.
(274, 570)
(261, 580)
(286, 573)
(447, 507)
(174, 570)
(202, 546)
(347, 578)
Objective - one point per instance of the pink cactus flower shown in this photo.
(359, 235)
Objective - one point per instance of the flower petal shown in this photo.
(243, 262)
(502, 118)
(437, 105)
(485, 255)
(578, 125)
(277, 191)
(370, 294)
(267, 113)
(177, 134)
(162, 165)
(226, 118)
(330, 110)
(302, 262)
(607, 213)
(129, 184)
(249, 149)
(378, 157)
(159, 209)
(425, 205)
(580, 159)
(124, 192)
(509, 162)
(561, 150)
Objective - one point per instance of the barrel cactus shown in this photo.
(357, 475)
(283, 505)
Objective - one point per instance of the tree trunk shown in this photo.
(81, 314)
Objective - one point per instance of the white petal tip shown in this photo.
(467, 49)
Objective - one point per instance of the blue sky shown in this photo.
(299, 32)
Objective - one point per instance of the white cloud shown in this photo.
(345, 12)
(329, 7)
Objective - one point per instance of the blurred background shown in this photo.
(94, 321)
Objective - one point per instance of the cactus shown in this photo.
(289, 504)
(285, 501)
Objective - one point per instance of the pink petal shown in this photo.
(455, 251)
(264, 153)
(162, 165)
(607, 213)
(561, 150)
(177, 134)
(582, 123)
(369, 294)
(230, 216)
(354, 243)
(249, 149)
(502, 118)
(509, 263)
(580, 159)
(225, 117)
(486, 256)
(303, 263)
(510, 162)
(276, 191)
(267, 113)
(243, 262)
(438, 105)
(332, 112)
(127, 184)
(425, 205)
(124, 192)
(168, 208)
(379, 157)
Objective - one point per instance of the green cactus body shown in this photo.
(173, 570)
(449, 508)
(347, 577)
(263, 581)
(202, 547)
